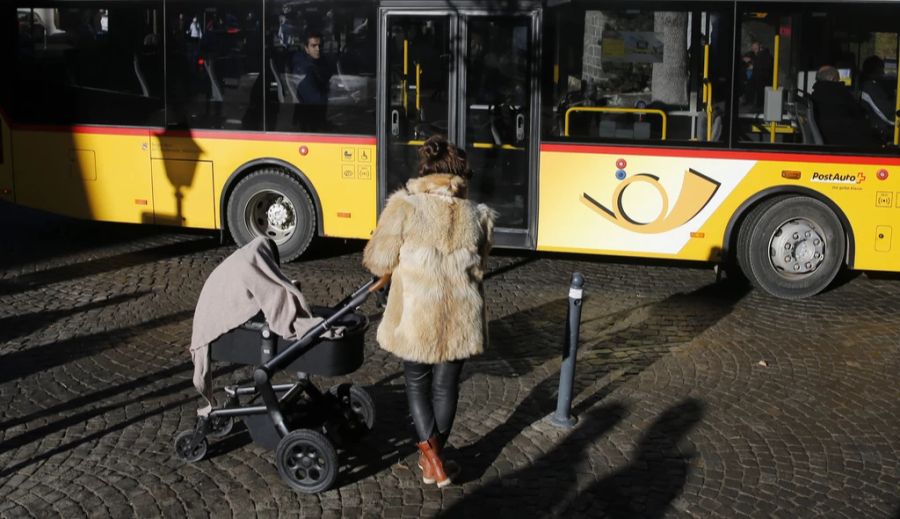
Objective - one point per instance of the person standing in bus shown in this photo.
(761, 62)
(874, 96)
(312, 91)
(435, 243)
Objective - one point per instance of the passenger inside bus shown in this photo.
(839, 117)
(876, 100)
(310, 113)
(760, 66)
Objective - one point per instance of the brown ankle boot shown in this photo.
(429, 453)
(427, 469)
(451, 468)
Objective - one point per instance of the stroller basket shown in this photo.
(328, 357)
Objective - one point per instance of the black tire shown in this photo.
(306, 461)
(183, 450)
(358, 403)
(791, 246)
(274, 204)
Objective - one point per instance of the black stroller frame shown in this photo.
(302, 433)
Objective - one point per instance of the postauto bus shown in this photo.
(670, 129)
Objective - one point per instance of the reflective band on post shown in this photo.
(575, 293)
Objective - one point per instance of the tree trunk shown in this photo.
(670, 78)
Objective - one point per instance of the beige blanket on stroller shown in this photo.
(246, 282)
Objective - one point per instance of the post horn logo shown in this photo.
(696, 191)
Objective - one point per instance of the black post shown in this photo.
(563, 415)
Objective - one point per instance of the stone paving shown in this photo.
(695, 398)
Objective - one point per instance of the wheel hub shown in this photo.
(797, 247)
(271, 214)
(278, 214)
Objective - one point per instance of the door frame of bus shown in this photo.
(457, 12)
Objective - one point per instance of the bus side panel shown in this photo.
(868, 195)
(341, 170)
(86, 173)
(679, 207)
(637, 205)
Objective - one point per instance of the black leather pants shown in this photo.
(433, 391)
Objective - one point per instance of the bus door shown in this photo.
(470, 76)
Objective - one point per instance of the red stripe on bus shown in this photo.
(720, 154)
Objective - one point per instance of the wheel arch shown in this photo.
(734, 223)
(256, 165)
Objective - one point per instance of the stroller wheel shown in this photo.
(221, 426)
(358, 401)
(183, 447)
(307, 461)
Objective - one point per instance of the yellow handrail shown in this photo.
(476, 145)
(709, 113)
(775, 80)
(616, 110)
(418, 78)
(404, 83)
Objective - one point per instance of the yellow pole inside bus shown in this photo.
(404, 82)
(775, 82)
(418, 97)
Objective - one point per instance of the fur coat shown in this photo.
(436, 243)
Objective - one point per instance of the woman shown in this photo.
(435, 243)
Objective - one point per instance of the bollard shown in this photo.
(563, 415)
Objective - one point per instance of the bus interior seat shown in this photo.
(642, 130)
(145, 90)
(215, 90)
(607, 128)
(870, 106)
(716, 127)
(879, 121)
(279, 82)
(803, 124)
(292, 81)
(811, 119)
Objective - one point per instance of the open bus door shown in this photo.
(472, 76)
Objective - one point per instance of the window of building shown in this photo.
(320, 58)
(90, 63)
(637, 75)
(818, 75)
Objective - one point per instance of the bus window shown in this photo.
(91, 63)
(213, 63)
(823, 75)
(638, 75)
(320, 61)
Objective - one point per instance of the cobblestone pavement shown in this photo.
(695, 398)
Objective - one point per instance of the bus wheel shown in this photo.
(792, 247)
(273, 204)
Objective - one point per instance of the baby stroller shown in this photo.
(300, 422)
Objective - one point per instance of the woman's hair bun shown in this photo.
(435, 147)
(438, 155)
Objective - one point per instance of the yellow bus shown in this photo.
(761, 134)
